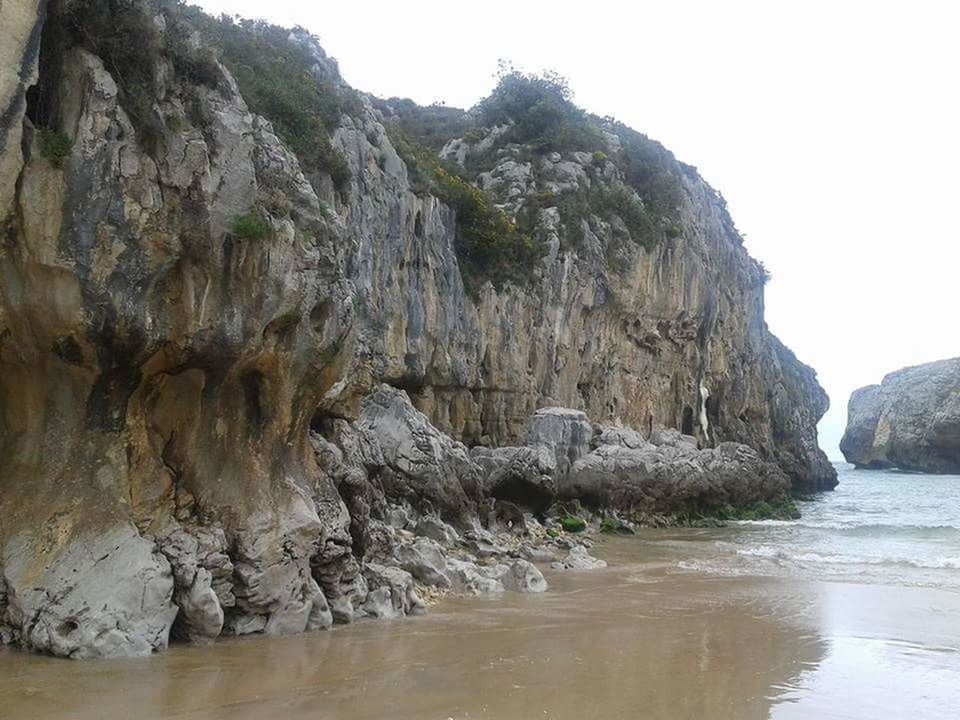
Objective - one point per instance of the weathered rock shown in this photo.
(670, 437)
(470, 578)
(564, 432)
(425, 560)
(523, 576)
(22, 22)
(667, 477)
(107, 594)
(427, 466)
(203, 581)
(523, 475)
(436, 529)
(911, 420)
(623, 436)
(395, 596)
(347, 594)
(321, 616)
(538, 553)
(578, 559)
(482, 544)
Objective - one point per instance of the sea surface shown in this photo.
(878, 526)
(852, 612)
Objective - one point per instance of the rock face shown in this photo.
(22, 22)
(671, 472)
(911, 420)
(204, 429)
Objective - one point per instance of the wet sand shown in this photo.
(640, 639)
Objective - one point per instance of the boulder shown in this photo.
(425, 560)
(470, 578)
(564, 432)
(662, 478)
(427, 465)
(109, 594)
(436, 529)
(523, 576)
(394, 594)
(578, 559)
(538, 553)
(522, 475)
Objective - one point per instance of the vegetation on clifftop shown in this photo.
(540, 112)
(536, 116)
(285, 77)
(282, 81)
(278, 79)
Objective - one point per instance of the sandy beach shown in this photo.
(641, 638)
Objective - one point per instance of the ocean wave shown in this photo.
(854, 527)
(767, 552)
(710, 568)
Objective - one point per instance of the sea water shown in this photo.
(878, 526)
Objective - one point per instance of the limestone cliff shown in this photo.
(187, 289)
(911, 420)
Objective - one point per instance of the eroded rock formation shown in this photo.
(193, 430)
(911, 420)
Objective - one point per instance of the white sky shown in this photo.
(831, 128)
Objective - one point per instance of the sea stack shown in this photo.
(910, 421)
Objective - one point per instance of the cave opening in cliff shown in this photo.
(42, 96)
(686, 424)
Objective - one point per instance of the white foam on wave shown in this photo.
(768, 552)
(850, 525)
(709, 568)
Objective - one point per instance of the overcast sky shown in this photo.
(831, 128)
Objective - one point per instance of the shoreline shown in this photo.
(798, 646)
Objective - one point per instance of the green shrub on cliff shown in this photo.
(652, 171)
(433, 125)
(123, 35)
(250, 226)
(276, 77)
(543, 119)
(541, 112)
(282, 81)
(488, 244)
(131, 43)
(54, 145)
(600, 201)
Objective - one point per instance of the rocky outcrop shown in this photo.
(206, 353)
(22, 22)
(569, 458)
(655, 343)
(911, 420)
(661, 478)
